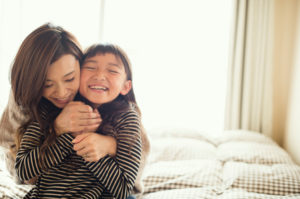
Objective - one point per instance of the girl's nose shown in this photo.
(100, 75)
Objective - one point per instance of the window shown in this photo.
(178, 49)
(179, 52)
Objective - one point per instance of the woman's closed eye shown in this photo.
(48, 85)
(70, 80)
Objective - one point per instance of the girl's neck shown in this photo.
(95, 106)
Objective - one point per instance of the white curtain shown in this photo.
(249, 97)
(261, 67)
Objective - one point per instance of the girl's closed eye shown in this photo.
(89, 67)
(113, 71)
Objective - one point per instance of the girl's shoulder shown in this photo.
(122, 121)
(127, 115)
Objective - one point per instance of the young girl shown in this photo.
(62, 173)
(106, 84)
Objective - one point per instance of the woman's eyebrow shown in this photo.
(69, 73)
(49, 80)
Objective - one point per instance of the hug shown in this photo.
(72, 124)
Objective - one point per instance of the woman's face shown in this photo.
(103, 78)
(62, 81)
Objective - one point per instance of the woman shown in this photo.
(39, 50)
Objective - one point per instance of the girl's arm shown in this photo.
(27, 160)
(118, 174)
(92, 146)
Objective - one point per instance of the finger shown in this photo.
(88, 115)
(76, 103)
(77, 129)
(78, 146)
(90, 123)
(84, 152)
(96, 111)
(80, 137)
(90, 159)
(85, 122)
(85, 109)
(92, 128)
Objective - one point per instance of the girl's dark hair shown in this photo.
(122, 102)
(38, 51)
(120, 54)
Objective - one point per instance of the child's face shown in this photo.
(62, 81)
(103, 78)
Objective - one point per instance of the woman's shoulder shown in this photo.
(46, 109)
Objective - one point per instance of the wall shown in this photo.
(18, 18)
(285, 28)
(292, 135)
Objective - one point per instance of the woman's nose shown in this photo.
(61, 91)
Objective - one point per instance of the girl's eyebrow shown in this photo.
(48, 80)
(114, 64)
(87, 61)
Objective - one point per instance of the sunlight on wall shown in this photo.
(178, 49)
(179, 53)
(18, 18)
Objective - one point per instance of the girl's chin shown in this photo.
(96, 104)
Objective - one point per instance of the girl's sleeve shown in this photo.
(27, 160)
(118, 174)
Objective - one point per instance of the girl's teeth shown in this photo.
(98, 87)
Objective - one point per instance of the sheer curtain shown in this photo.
(250, 88)
(261, 65)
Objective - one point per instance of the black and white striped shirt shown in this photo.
(67, 175)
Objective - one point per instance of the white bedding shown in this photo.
(237, 164)
(186, 164)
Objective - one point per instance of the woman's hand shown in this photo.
(92, 146)
(77, 117)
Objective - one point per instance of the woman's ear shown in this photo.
(126, 87)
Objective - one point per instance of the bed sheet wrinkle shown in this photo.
(235, 165)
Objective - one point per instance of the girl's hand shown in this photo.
(77, 117)
(92, 146)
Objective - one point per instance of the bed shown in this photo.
(234, 165)
(188, 164)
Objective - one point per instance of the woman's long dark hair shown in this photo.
(38, 51)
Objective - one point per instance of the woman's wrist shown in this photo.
(59, 131)
(112, 146)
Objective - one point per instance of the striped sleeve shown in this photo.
(27, 165)
(118, 174)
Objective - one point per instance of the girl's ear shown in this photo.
(126, 87)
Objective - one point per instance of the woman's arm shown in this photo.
(82, 122)
(27, 160)
(77, 117)
(118, 174)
